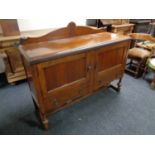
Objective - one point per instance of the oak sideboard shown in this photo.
(71, 63)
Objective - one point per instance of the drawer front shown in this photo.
(65, 97)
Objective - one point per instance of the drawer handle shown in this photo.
(103, 84)
(81, 90)
(100, 82)
(89, 68)
(56, 102)
(68, 101)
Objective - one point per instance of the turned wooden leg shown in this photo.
(140, 67)
(137, 70)
(13, 83)
(130, 64)
(152, 85)
(42, 117)
(119, 84)
(118, 87)
(44, 120)
(145, 71)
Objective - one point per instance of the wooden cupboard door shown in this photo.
(64, 79)
(110, 64)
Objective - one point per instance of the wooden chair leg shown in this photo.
(44, 120)
(119, 84)
(152, 85)
(130, 64)
(140, 66)
(145, 71)
(137, 70)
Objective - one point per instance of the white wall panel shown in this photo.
(36, 24)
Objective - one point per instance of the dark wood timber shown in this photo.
(9, 27)
(71, 63)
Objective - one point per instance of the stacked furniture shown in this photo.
(14, 67)
(9, 40)
(121, 26)
(139, 54)
(141, 25)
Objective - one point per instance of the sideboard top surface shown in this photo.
(39, 52)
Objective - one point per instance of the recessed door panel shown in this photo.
(109, 64)
(60, 78)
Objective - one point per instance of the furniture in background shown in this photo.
(9, 27)
(139, 54)
(97, 23)
(152, 20)
(141, 25)
(14, 67)
(124, 29)
(152, 29)
(71, 63)
(91, 22)
(149, 45)
(121, 26)
(150, 66)
(9, 41)
(2, 70)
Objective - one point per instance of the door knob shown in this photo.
(56, 102)
(89, 68)
(100, 82)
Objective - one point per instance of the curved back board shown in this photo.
(70, 31)
(142, 36)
